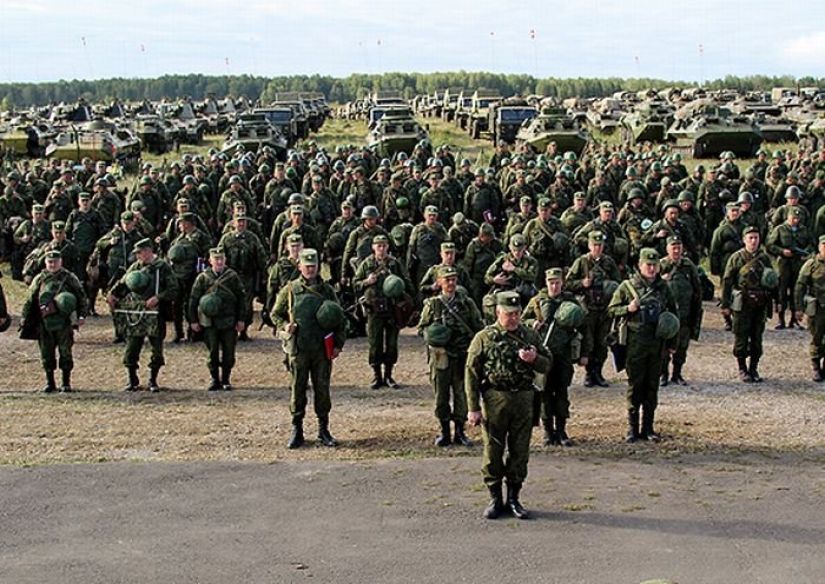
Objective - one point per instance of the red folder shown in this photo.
(329, 345)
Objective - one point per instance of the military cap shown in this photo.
(750, 229)
(732, 205)
(674, 240)
(59, 183)
(38, 208)
(145, 180)
(370, 212)
(486, 229)
(795, 212)
(84, 196)
(102, 182)
(508, 301)
(144, 243)
(296, 210)
(544, 203)
(448, 246)
(53, 254)
(309, 257)
(447, 272)
(58, 225)
(240, 216)
(526, 199)
(347, 204)
(553, 274)
(595, 237)
(745, 197)
(317, 178)
(431, 210)
(517, 241)
(464, 162)
(606, 205)
(670, 203)
(294, 238)
(380, 238)
(635, 193)
(216, 252)
(188, 216)
(127, 216)
(183, 202)
(821, 239)
(137, 206)
(648, 255)
(579, 195)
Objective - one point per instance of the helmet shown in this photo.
(189, 179)
(66, 303)
(620, 246)
(177, 253)
(745, 197)
(657, 166)
(437, 335)
(398, 235)
(370, 212)
(264, 169)
(336, 242)
(393, 286)
(560, 240)
(631, 172)
(210, 304)
(234, 179)
(569, 315)
(400, 203)
(136, 281)
(329, 315)
(668, 326)
(609, 287)
(770, 279)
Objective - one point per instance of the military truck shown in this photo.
(282, 118)
(449, 103)
(479, 113)
(506, 117)
(299, 110)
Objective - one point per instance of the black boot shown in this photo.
(496, 504)
(632, 426)
(514, 504)
(296, 440)
(728, 322)
(460, 436)
(663, 378)
(816, 369)
(598, 378)
(216, 384)
(134, 382)
(744, 374)
(549, 438)
(443, 439)
(648, 433)
(388, 380)
(66, 386)
(226, 375)
(51, 384)
(323, 432)
(243, 336)
(153, 379)
(754, 370)
(377, 378)
(561, 435)
(676, 377)
(781, 324)
(179, 336)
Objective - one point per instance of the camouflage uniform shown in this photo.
(478, 258)
(682, 278)
(810, 288)
(424, 249)
(194, 248)
(800, 242)
(246, 255)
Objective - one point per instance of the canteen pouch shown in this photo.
(811, 305)
(48, 308)
(439, 358)
(736, 301)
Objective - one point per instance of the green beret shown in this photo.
(648, 255)
(553, 274)
(309, 257)
(144, 243)
(508, 301)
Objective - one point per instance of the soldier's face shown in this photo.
(84, 204)
(606, 214)
(793, 220)
(240, 224)
(37, 217)
(508, 319)
(309, 271)
(295, 249)
(674, 251)
(448, 257)
(380, 250)
(596, 249)
(448, 285)
(672, 215)
(648, 270)
(218, 263)
(544, 213)
(58, 235)
(554, 287)
(431, 218)
(53, 265)
(751, 241)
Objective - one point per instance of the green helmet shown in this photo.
(210, 304)
(370, 212)
(668, 326)
(336, 242)
(560, 240)
(657, 166)
(398, 235)
(177, 253)
(609, 287)
(770, 279)
(393, 286)
(402, 202)
(437, 335)
(136, 281)
(620, 246)
(569, 315)
(66, 303)
(330, 315)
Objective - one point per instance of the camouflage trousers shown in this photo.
(644, 366)
(816, 324)
(508, 424)
(748, 328)
(597, 328)
(134, 345)
(788, 272)
(306, 366)
(682, 344)
(221, 344)
(60, 342)
(554, 399)
(449, 382)
(382, 336)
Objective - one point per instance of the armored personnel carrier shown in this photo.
(396, 130)
(647, 122)
(703, 129)
(252, 131)
(553, 124)
(97, 140)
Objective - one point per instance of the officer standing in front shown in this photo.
(502, 361)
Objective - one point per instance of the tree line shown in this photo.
(357, 85)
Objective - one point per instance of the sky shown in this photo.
(693, 40)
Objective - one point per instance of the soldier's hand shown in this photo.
(291, 328)
(787, 253)
(435, 286)
(501, 279)
(587, 282)
(661, 233)
(537, 324)
(528, 355)
(372, 279)
(110, 300)
(196, 327)
(240, 326)
(799, 315)
(152, 302)
(508, 266)
(583, 361)
(474, 418)
(633, 306)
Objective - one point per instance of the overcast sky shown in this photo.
(43, 40)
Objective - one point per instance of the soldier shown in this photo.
(682, 278)
(670, 225)
(502, 361)
(425, 242)
(186, 255)
(70, 258)
(359, 242)
(216, 306)
(246, 255)
(479, 256)
(780, 215)
(84, 228)
(594, 276)
(746, 295)
(810, 301)
(481, 201)
(29, 235)
(550, 310)
(640, 302)
(459, 320)
(297, 313)
(308, 233)
(577, 215)
(429, 285)
(437, 197)
(152, 287)
(517, 221)
(57, 301)
(547, 239)
(284, 270)
(226, 204)
(382, 328)
(515, 271)
(748, 216)
(153, 203)
(336, 241)
(790, 244)
(615, 239)
(106, 203)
